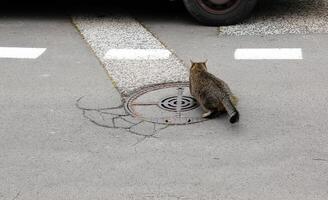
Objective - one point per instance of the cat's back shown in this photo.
(205, 86)
(198, 80)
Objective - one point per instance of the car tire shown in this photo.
(220, 12)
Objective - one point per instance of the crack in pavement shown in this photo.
(16, 197)
(109, 118)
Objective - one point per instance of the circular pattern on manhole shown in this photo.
(167, 103)
(171, 103)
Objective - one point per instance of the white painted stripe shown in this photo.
(21, 53)
(137, 54)
(269, 54)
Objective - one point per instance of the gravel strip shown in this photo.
(283, 17)
(123, 32)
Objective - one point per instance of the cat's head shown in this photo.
(198, 66)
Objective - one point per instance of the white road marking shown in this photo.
(269, 54)
(45, 75)
(137, 54)
(21, 52)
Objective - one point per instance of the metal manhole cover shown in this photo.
(171, 103)
(168, 103)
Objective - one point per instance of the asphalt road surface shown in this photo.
(65, 133)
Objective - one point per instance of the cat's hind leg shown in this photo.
(207, 112)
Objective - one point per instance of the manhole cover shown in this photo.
(169, 103)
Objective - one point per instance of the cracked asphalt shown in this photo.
(64, 132)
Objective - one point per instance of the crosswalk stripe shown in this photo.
(269, 54)
(21, 52)
(137, 54)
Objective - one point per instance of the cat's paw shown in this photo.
(205, 115)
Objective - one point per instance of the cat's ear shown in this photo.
(192, 62)
(205, 61)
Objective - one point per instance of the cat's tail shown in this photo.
(231, 110)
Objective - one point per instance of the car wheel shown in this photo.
(220, 12)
